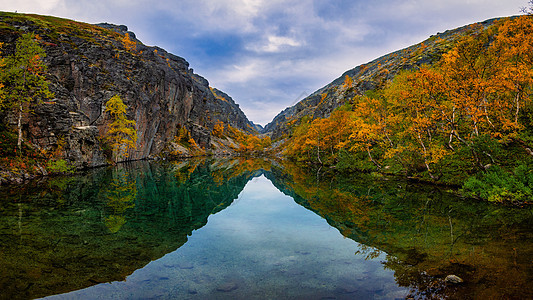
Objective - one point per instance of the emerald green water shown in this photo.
(253, 229)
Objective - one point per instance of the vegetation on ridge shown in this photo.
(459, 121)
(22, 85)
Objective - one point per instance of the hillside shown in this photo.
(89, 64)
(370, 76)
(455, 109)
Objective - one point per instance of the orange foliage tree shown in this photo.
(476, 99)
(130, 45)
(218, 129)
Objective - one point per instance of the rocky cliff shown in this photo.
(88, 64)
(368, 77)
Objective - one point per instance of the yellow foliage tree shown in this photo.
(24, 79)
(448, 116)
(515, 41)
(266, 142)
(121, 134)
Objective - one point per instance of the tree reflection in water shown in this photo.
(120, 195)
(426, 231)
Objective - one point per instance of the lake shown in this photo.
(255, 229)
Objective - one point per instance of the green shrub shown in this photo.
(59, 166)
(497, 185)
(347, 162)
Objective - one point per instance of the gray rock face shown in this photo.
(81, 147)
(88, 64)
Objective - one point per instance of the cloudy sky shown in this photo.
(267, 54)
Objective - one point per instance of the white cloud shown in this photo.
(240, 73)
(274, 44)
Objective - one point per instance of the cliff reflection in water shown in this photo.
(71, 233)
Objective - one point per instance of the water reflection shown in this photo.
(72, 233)
(426, 232)
(264, 246)
(120, 195)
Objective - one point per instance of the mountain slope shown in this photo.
(87, 65)
(368, 77)
(463, 117)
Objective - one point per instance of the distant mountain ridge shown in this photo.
(370, 76)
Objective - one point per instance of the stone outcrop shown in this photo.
(88, 64)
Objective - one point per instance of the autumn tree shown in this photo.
(348, 82)
(250, 143)
(514, 43)
(121, 134)
(184, 138)
(414, 99)
(369, 128)
(218, 129)
(130, 45)
(321, 139)
(24, 79)
(266, 142)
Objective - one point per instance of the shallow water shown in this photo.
(242, 229)
(263, 245)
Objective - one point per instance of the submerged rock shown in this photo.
(185, 266)
(453, 279)
(227, 287)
